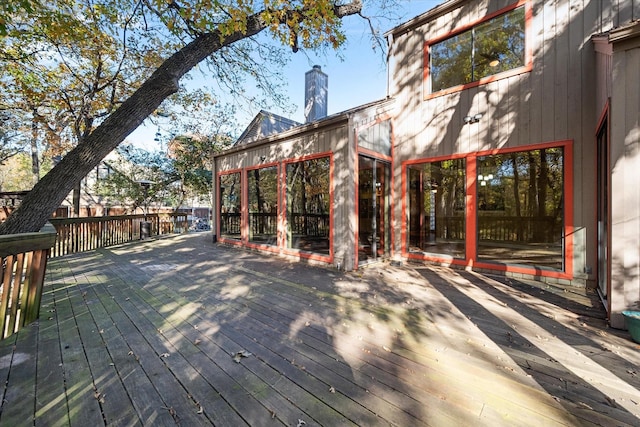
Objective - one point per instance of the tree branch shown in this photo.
(41, 201)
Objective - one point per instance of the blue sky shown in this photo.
(356, 79)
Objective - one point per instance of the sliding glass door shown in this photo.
(373, 209)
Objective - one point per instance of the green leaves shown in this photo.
(103, 66)
(11, 11)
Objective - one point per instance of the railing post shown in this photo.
(24, 258)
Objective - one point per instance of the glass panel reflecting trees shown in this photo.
(436, 204)
(263, 205)
(374, 210)
(451, 62)
(230, 206)
(308, 205)
(521, 208)
(489, 48)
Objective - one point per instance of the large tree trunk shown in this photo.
(50, 191)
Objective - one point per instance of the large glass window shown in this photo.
(263, 205)
(489, 48)
(521, 208)
(230, 205)
(437, 207)
(308, 205)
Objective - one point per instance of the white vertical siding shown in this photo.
(625, 198)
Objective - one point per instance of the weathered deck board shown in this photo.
(51, 404)
(144, 334)
(21, 382)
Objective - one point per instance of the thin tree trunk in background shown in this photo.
(76, 200)
(516, 195)
(35, 160)
(543, 181)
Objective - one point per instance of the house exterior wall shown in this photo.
(625, 173)
(333, 136)
(552, 100)
(332, 139)
(574, 78)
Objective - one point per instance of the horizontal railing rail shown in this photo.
(24, 261)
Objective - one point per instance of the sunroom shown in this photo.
(295, 192)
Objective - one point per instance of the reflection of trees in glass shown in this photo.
(451, 62)
(263, 204)
(230, 205)
(529, 186)
(263, 190)
(308, 186)
(445, 181)
(307, 204)
(230, 192)
(437, 205)
(489, 48)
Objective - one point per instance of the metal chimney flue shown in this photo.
(316, 94)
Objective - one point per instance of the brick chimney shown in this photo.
(315, 98)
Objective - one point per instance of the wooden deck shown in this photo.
(181, 331)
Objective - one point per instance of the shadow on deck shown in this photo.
(181, 331)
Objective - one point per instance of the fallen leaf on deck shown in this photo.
(130, 353)
(301, 423)
(172, 412)
(200, 409)
(165, 355)
(611, 402)
(385, 348)
(239, 355)
(197, 341)
(584, 405)
(332, 390)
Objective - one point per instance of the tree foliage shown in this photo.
(168, 40)
(12, 141)
(121, 185)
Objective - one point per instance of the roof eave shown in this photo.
(302, 129)
(429, 15)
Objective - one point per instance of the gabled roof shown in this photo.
(302, 128)
(265, 124)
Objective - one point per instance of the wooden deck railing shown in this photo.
(24, 256)
(24, 261)
(497, 228)
(90, 233)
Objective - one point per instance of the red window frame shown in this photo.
(471, 197)
(528, 16)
